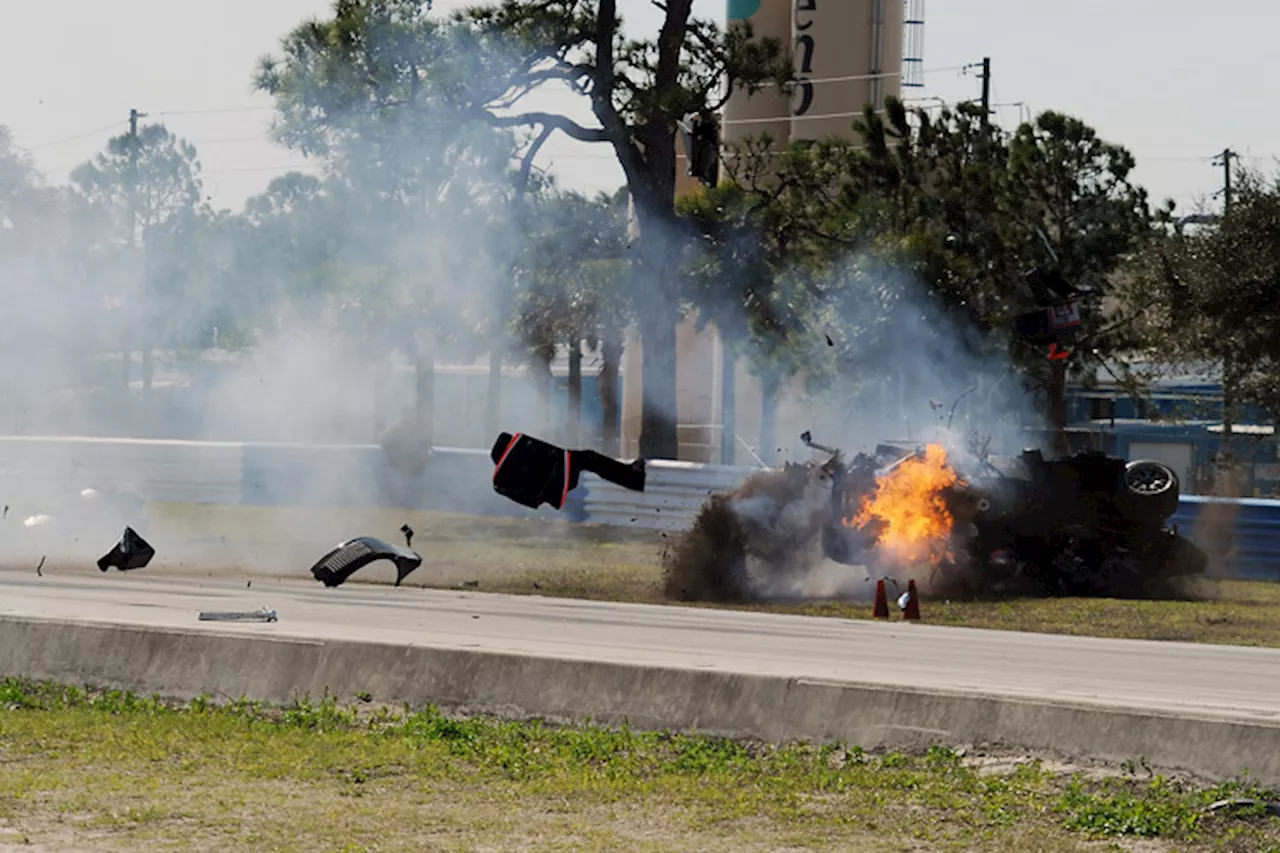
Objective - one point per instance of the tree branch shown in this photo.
(565, 125)
(670, 43)
(526, 164)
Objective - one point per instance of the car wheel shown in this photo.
(1151, 491)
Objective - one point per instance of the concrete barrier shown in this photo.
(229, 664)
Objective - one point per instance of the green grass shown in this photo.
(111, 771)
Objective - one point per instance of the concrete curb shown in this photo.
(230, 664)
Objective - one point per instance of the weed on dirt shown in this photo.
(113, 771)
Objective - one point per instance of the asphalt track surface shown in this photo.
(1221, 682)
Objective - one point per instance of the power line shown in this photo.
(878, 76)
(85, 135)
(850, 114)
(114, 125)
(252, 169)
(211, 111)
(228, 139)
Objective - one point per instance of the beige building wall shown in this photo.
(768, 111)
(838, 47)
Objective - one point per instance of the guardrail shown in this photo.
(37, 468)
(674, 491)
(1246, 531)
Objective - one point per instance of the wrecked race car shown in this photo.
(1085, 525)
(761, 540)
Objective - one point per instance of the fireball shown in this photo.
(909, 508)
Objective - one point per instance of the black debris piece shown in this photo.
(342, 562)
(6, 511)
(39, 573)
(408, 535)
(131, 552)
(532, 472)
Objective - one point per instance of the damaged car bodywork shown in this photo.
(532, 472)
(131, 552)
(335, 567)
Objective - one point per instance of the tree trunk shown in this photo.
(542, 378)
(148, 369)
(728, 408)
(573, 425)
(658, 436)
(769, 389)
(655, 271)
(424, 397)
(1226, 480)
(148, 335)
(1058, 407)
(378, 387)
(1225, 450)
(493, 398)
(610, 358)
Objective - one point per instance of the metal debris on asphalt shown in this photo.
(266, 614)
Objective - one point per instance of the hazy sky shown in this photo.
(1174, 80)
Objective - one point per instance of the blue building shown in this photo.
(1178, 422)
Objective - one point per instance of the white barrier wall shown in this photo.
(35, 470)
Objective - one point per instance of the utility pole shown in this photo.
(1224, 159)
(1226, 451)
(986, 90)
(148, 364)
(126, 352)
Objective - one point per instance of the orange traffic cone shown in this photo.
(881, 610)
(912, 610)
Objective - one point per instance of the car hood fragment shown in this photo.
(347, 558)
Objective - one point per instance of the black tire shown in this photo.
(1150, 491)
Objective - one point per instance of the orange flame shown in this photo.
(908, 504)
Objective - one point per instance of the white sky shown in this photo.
(1176, 81)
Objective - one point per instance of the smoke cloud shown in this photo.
(323, 312)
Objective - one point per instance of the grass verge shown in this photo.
(553, 557)
(112, 771)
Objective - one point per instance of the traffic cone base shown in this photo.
(881, 610)
(912, 610)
